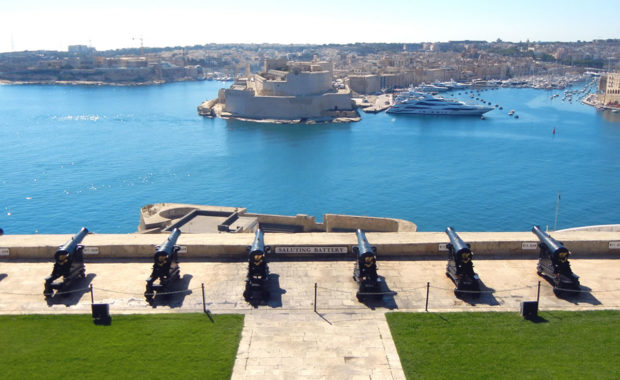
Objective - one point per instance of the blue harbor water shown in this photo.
(91, 156)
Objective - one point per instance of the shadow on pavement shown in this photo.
(484, 297)
(576, 297)
(177, 293)
(72, 295)
(384, 298)
(270, 294)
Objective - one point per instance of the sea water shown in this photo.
(92, 156)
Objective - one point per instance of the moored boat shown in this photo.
(417, 103)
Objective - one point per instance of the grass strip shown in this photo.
(562, 344)
(153, 346)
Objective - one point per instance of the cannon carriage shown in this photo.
(460, 268)
(365, 270)
(258, 270)
(68, 265)
(553, 263)
(165, 267)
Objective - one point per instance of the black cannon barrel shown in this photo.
(258, 246)
(458, 244)
(552, 245)
(71, 245)
(363, 247)
(168, 245)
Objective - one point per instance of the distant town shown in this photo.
(328, 83)
(367, 67)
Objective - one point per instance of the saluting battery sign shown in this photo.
(311, 250)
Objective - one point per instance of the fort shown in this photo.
(285, 92)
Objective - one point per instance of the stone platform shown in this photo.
(285, 338)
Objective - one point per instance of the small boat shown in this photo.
(512, 112)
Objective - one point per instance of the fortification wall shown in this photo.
(403, 245)
(296, 84)
(243, 104)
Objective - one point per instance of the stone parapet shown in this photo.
(232, 246)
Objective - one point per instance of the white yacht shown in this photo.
(451, 85)
(418, 103)
(431, 88)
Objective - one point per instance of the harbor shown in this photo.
(162, 150)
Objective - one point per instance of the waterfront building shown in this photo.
(609, 90)
(372, 83)
(287, 91)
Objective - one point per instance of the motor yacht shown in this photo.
(418, 103)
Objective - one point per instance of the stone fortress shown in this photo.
(286, 92)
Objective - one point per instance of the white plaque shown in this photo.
(614, 245)
(4, 251)
(91, 250)
(529, 245)
(442, 247)
(312, 250)
(183, 249)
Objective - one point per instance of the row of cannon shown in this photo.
(552, 264)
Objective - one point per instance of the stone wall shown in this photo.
(403, 245)
(242, 103)
(364, 84)
(296, 84)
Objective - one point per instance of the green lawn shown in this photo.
(567, 345)
(162, 346)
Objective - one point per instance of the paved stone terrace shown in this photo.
(285, 338)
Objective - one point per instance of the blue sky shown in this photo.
(39, 24)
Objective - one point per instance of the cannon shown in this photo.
(553, 263)
(165, 267)
(365, 270)
(68, 264)
(258, 271)
(460, 268)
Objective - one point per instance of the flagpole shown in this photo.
(557, 210)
